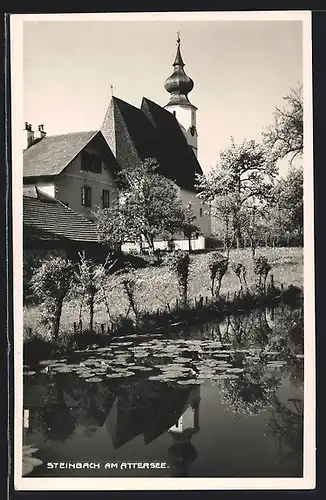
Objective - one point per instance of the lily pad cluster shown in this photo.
(181, 361)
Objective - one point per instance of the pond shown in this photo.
(219, 400)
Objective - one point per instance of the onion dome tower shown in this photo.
(179, 85)
(182, 452)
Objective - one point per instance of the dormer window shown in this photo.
(90, 162)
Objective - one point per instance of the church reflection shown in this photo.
(141, 407)
(182, 452)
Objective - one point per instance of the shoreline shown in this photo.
(36, 349)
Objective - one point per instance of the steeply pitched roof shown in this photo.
(52, 154)
(177, 156)
(135, 134)
(129, 134)
(48, 218)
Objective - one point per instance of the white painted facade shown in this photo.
(68, 186)
(200, 210)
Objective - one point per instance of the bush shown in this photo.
(261, 269)
(241, 273)
(217, 265)
(50, 283)
(179, 262)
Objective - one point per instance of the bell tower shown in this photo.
(182, 452)
(179, 84)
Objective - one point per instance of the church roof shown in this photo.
(52, 154)
(47, 218)
(178, 159)
(135, 134)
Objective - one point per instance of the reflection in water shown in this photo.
(182, 452)
(262, 352)
(286, 427)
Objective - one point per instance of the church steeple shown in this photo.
(178, 59)
(179, 85)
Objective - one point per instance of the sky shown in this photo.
(241, 71)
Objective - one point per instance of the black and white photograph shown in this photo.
(163, 242)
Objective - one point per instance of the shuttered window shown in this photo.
(105, 198)
(86, 196)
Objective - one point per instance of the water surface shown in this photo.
(220, 400)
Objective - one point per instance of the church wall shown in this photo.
(203, 221)
(72, 180)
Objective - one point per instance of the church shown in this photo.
(77, 170)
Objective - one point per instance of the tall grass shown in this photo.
(157, 288)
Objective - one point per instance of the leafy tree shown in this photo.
(217, 265)
(243, 175)
(90, 277)
(50, 283)
(179, 262)
(289, 200)
(147, 206)
(285, 137)
(189, 226)
(112, 227)
(261, 269)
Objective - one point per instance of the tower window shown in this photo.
(86, 196)
(200, 212)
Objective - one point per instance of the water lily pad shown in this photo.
(64, 369)
(46, 362)
(276, 364)
(115, 375)
(224, 376)
(85, 375)
(235, 370)
(191, 381)
(175, 368)
(94, 379)
(143, 368)
(31, 372)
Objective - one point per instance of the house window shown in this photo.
(90, 162)
(200, 212)
(86, 196)
(105, 198)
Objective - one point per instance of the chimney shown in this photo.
(28, 135)
(40, 132)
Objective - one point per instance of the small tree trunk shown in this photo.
(56, 318)
(91, 311)
(253, 248)
(189, 243)
(212, 286)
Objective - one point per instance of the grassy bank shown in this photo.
(156, 291)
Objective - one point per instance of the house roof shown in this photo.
(132, 134)
(47, 218)
(52, 154)
(135, 134)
